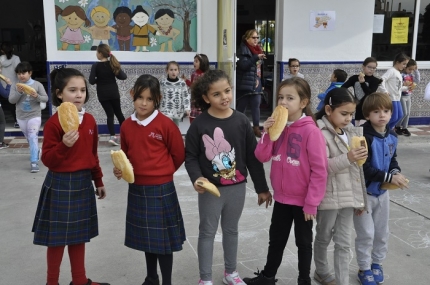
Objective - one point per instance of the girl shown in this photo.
(411, 76)
(155, 148)
(363, 84)
(104, 74)
(201, 65)
(345, 190)
(28, 111)
(73, 163)
(76, 20)
(175, 97)
(293, 67)
(299, 169)
(392, 85)
(220, 148)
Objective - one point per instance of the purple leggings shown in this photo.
(255, 100)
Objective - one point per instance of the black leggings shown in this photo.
(112, 107)
(166, 264)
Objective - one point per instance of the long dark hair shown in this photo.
(150, 82)
(334, 99)
(59, 79)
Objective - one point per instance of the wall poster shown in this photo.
(127, 25)
(322, 20)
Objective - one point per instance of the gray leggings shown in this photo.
(229, 207)
(406, 107)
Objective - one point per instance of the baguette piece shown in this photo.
(68, 116)
(121, 162)
(209, 187)
(2, 77)
(391, 186)
(357, 142)
(280, 114)
(27, 89)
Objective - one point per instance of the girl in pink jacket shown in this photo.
(298, 175)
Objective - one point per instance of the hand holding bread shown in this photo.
(280, 118)
(398, 181)
(358, 152)
(203, 185)
(24, 88)
(121, 163)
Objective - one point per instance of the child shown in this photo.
(298, 173)
(155, 148)
(364, 83)
(381, 166)
(201, 65)
(175, 99)
(220, 147)
(28, 111)
(293, 67)
(411, 76)
(104, 74)
(392, 85)
(345, 190)
(337, 79)
(4, 92)
(67, 213)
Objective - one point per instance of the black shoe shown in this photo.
(91, 282)
(260, 279)
(151, 281)
(398, 131)
(306, 281)
(406, 132)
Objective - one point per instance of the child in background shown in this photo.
(28, 111)
(155, 148)
(411, 76)
(337, 79)
(175, 99)
(4, 92)
(201, 65)
(371, 243)
(67, 213)
(104, 74)
(293, 67)
(392, 85)
(220, 147)
(345, 191)
(364, 83)
(298, 173)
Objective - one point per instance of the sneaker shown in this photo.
(306, 281)
(16, 125)
(260, 279)
(232, 279)
(151, 281)
(34, 167)
(3, 145)
(201, 282)
(378, 273)
(325, 280)
(114, 140)
(398, 131)
(366, 277)
(406, 132)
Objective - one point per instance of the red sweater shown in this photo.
(196, 74)
(82, 155)
(155, 151)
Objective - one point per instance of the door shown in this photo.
(227, 41)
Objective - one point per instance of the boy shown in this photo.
(381, 166)
(337, 79)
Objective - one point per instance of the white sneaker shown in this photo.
(232, 279)
(201, 282)
(114, 140)
(34, 167)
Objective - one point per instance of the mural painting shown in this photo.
(127, 25)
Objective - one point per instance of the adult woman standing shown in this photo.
(248, 77)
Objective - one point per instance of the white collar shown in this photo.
(146, 121)
(289, 123)
(81, 115)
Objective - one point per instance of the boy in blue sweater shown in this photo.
(371, 243)
(337, 79)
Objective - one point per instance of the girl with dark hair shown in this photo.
(104, 74)
(155, 148)
(8, 62)
(293, 67)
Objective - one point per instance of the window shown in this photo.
(266, 31)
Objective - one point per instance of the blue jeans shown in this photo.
(243, 101)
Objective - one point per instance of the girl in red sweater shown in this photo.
(155, 148)
(67, 213)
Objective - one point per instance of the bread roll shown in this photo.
(68, 116)
(2, 77)
(391, 186)
(121, 162)
(361, 74)
(280, 114)
(27, 89)
(357, 142)
(209, 187)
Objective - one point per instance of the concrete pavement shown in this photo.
(108, 260)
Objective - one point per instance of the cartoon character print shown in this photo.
(222, 156)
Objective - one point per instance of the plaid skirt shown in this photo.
(66, 213)
(154, 221)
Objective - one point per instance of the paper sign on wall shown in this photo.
(399, 30)
(378, 24)
(322, 20)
